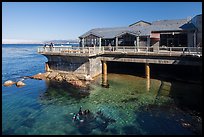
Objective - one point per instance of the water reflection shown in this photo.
(105, 81)
(148, 84)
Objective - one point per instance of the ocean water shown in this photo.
(128, 106)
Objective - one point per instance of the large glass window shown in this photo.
(173, 40)
(126, 40)
(91, 40)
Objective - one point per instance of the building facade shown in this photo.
(167, 33)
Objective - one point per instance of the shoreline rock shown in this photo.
(9, 83)
(79, 81)
(20, 84)
(67, 77)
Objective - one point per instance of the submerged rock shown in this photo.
(78, 83)
(20, 84)
(9, 83)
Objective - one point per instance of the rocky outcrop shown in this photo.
(67, 77)
(40, 76)
(20, 84)
(79, 81)
(9, 83)
(84, 77)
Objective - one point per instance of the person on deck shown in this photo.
(109, 47)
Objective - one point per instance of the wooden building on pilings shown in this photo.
(167, 33)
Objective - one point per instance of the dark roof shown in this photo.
(139, 22)
(162, 25)
(109, 32)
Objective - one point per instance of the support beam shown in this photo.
(100, 43)
(138, 42)
(83, 42)
(116, 43)
(147, 70)
(47, 68)
(104, 65)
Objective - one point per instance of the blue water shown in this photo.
(45, 107)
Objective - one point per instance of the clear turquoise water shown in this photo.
(128, 107)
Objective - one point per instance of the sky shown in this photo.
(40, 21)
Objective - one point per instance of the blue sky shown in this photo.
(68, 20)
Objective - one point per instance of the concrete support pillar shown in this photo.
(116, 43)
(47, 68)
(147, 70)
(104, 65)
(104, 75)
(105, 81)
(83, 42)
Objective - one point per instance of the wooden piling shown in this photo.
(104, 65)
(147, 70)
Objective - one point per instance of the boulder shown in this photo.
(59, 78)
(20, 84)
(70, 77)
(47, 74)
(9, 83)
(88, 78)
(52, 75)
(77, 83)
(39, 76)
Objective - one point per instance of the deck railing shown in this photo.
(122, 49)
(71, 50)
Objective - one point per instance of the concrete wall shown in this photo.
(95, 66)
(78, 65)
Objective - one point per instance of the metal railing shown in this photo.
(122, 49)
(70, 50)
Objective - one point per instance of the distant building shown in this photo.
(169, 33)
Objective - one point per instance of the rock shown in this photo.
(9, 83)
(59, 78)
(70, 77)
(88, 78)
(47, 73)
(39, 76)
(77, 83)
(52, 75)
(20, 84)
